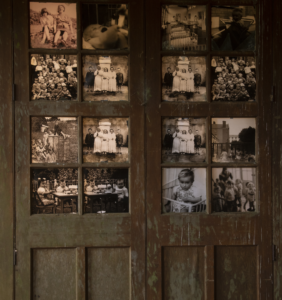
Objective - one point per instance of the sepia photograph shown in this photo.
(53, 77)
(184, 190)
(54, 140)
(233, 27)
(234, 190)
(105, 78)
(104, 26)
(106, 190)
(53, 25)
(105, 140)
(233, 78)
(233, 140)
(184, 27)
(54, 191)
(184, 140)
(184, 78)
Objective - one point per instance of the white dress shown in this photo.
(112, 143)
(176, 81)
(105, 142)
(190, 143)
(98, 142)
(176, 142)
(183, 143)
(190, 82)
(98, 80)
(183, 82)
(112, 81)
(105, 81)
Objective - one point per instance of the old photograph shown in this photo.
(234, 190)
(233, 27)
(233, 78)
(54, 191)
(104, 26)
(105, 78)
(183, 190)
(105, 140)
(53, 77)
(184, 140)
(53, 25)
(184, 27)
(184, 78)
(54, 140)
(106, 190)
(233, 140)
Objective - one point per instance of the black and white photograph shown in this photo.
(234, 140)
(104, 26)
(184, 27)
(105, 78)
(184, 140)
(184, 78)
(184, 190)
(105, 140)
(54, 191)
(234, 190)
(106, 190)
(53, 77)
(233, 27)
(54, 140)
(53, 25)
(233, 78)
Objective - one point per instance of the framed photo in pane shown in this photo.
(53, 25)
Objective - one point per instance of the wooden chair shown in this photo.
(40, 207)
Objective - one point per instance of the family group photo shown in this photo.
(234, 140)
(54, 190)
(105, 140)
(233, 78)
(104, 26)
(184, 190)
(184, 27)
(53, 77)
(105, 78)
(234, 190)
(184, 140)
(106, 190)
(53, 25)
(54, 140)
(184, 78)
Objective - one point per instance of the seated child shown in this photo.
(229, 196)
(122, 192)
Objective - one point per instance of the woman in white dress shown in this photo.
(190, 142)
(176, 80)
(112, 142)
(98, 141)
(112, 80)
(176, 141)
(190, 81)
(98, 79)
(183, 81)
(105, 142)
(183, 142)
(105, 81)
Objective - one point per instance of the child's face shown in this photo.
(120, 184)
(64, 88)
(185, 183)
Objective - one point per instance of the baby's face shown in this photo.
(185, 183)
(120, 184)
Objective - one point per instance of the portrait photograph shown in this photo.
(184, 190)
(53, 77)
(184, 27)
(54, 191)
(184, 78)
(184, 140)
(234, 190)
(53, 25)
(104, 26)
(105, 140)
(233, 27)
(233, 78)
(54, 140)
(234, 140)
(105, 78)
(106, 190)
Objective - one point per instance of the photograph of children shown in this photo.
(54, 139)
(234, 190)
(53, 77)
(233, 28)
(233, 78)
(53, 25)
(184, 27)
(184, 140)
(183, 190)
(106, 190)
(54, 191)
(104, 26)
(184, 78)
(233, 140)
(105, 78)
(105, 140)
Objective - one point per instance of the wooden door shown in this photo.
(204, 240)
(85, 239)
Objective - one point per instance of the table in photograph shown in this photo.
(105, 198)
(65, 197)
